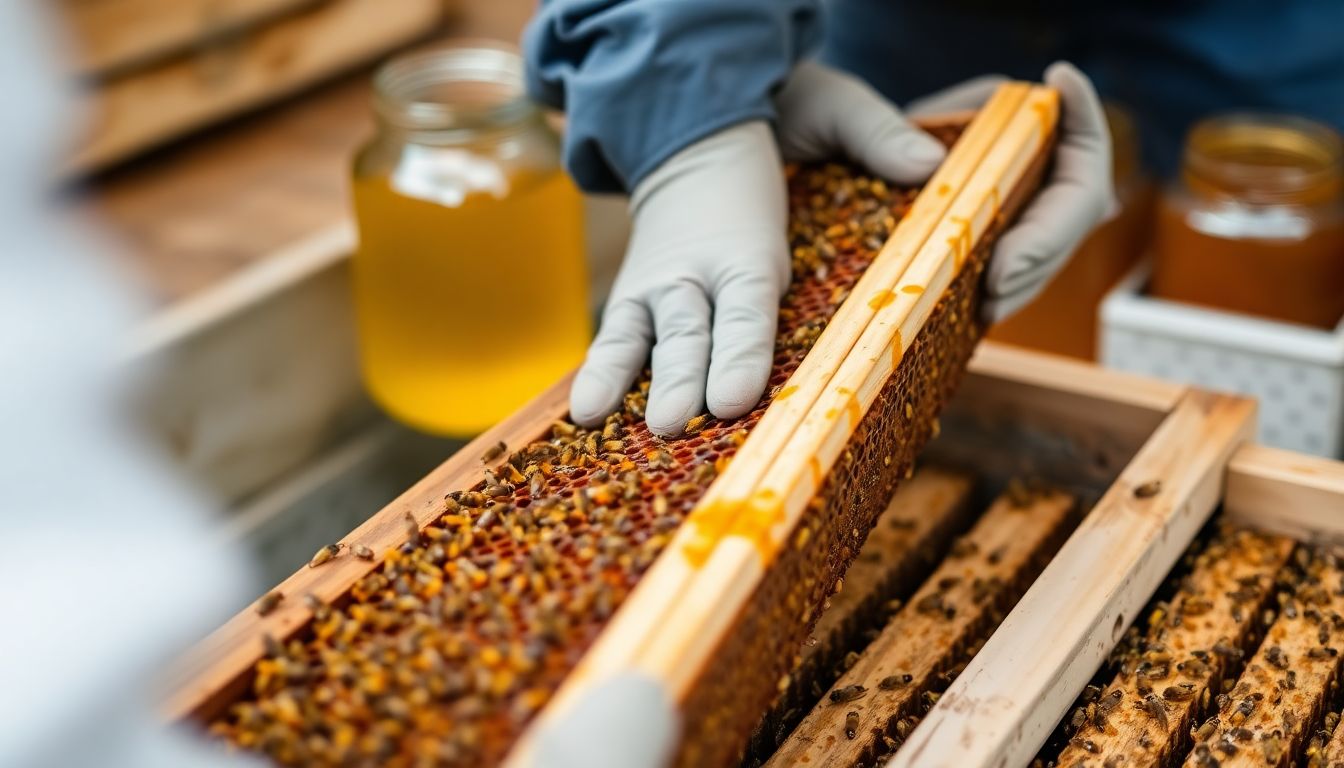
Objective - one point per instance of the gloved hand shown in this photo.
(1078, 196)
(708, 258)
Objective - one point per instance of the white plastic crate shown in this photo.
(1296, 372)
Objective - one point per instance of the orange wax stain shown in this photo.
(785, 392)
(844, 391)
(961, 242)
(831, 413)
(1045, 113)
(943, 189)
(913, 289)
(896, 351)
(709, 524)
(881, 299)
(852, 408)
(763, 512)
(815, 465)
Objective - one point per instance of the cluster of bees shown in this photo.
(1238, 707)
(443, 654)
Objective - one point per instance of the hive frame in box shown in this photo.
(1017, 688)
(1165, 419)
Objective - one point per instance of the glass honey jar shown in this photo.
(1255, 224)
(470, 279)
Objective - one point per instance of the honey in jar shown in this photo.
(470, 279)
(1255, 224)
(1063, 318)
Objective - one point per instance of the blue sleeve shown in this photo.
(641, 79)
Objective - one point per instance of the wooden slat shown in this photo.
(1286, 492)
(1003, 707)
(132, 113)
(1279, 700)
(120, 34)
(216, 671)
(1197, 640)
(955, 608)
(910, 537)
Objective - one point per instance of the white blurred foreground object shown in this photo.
(109, 563)
(626, 722)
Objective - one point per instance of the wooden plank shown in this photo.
(112, 35)
(215, 672)
(196, 214)
(861, 719)
(910, 538)
(1198, 639)
(135, 112)
(1286, 492)
(1281, 697)
(1003, 707)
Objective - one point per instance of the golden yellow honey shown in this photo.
(470, 279)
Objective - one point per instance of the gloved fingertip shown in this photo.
(735, 393)
(590, 400)
(908, 158)
(667, 416)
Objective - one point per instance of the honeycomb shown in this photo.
(444, 654)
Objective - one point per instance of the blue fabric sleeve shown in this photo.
(641, 79)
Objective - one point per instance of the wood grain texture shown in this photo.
(134, 112)
(196, 214)
(954, 609)
(1003, 707)
(1196, 639)
(1281, 696)
(1290, 493)
(116, 35)
(910, 538)
(217, 671)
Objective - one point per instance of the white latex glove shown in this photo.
(1078, 196)
(708, 258)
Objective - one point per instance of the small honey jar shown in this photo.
(1255, 223)
(470, 281)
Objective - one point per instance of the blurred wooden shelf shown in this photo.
(192, 214)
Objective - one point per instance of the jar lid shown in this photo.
(461, 85)
(1265, 159)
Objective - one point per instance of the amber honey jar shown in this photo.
(1255, 224)
(1063, 319)
(470, 280)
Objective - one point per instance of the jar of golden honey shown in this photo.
(1063, 319)
(1255, 224)
(470, 280)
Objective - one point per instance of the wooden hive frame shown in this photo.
(954, 221)
(1193, 447)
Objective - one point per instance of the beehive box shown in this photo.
(565, 521)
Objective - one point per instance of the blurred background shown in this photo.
(223, 139)
(217, 155)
